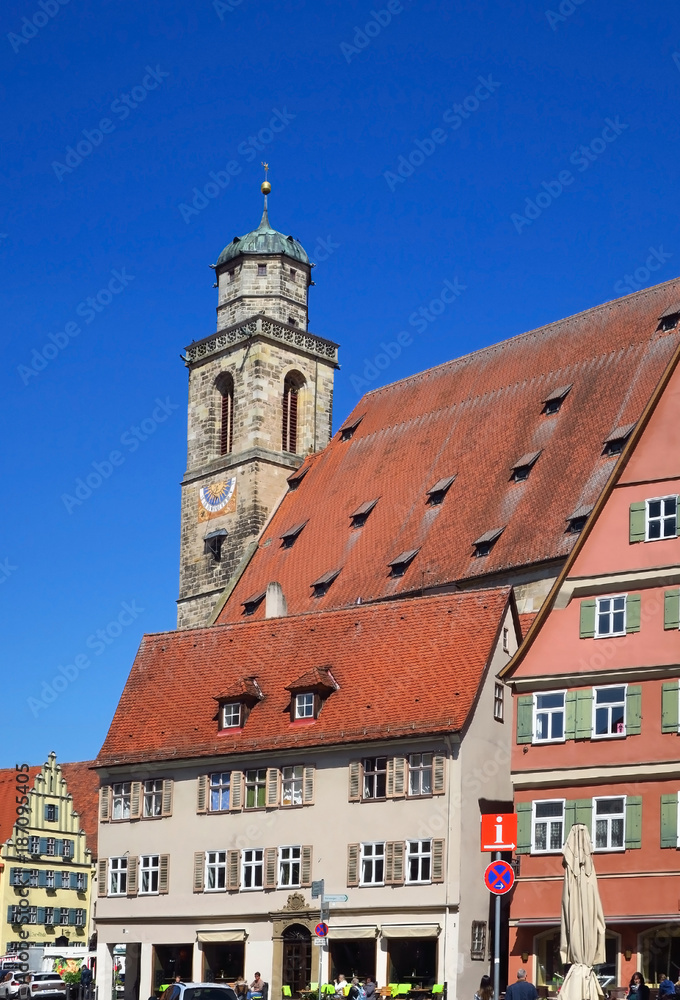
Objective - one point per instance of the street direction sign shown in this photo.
(335, 899)
(321, 930)
(317, 888)
(499, 832)
(499, 877)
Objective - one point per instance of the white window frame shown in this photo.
(32, 915)
(548, 820)
(152, 804)
(51, 847)
(418, 768)
(121, 793)
(661, 538)
(371, 859)
(118, 874)
(49, 879)
(608, 819)
(149, 871)
(79, 920)
(374, 774)
(49, 916)
(259, 784)
(231, 715)
(304, 705)
(218, 785)
(292, 777)
(252, 862)
(499, 702)
(609, 736)
(287, 860)
(80, 882)
(66, 849)
(215, 862)
(535, 738)
(612, 634)
(33, 876)
(63, 916)
(421, 854)
(34, 845)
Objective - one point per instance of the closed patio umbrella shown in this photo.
(582, 929)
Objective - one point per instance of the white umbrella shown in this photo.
(582, 930)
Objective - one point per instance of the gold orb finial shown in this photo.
(265, 187)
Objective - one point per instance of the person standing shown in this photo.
(638, 989)
(485, 991)
(524, 990)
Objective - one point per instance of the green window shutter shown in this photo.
(584, 812)
(669, 820)
(525, 718)
(634, 821)
(523, 810)
(633, 710)
(569, 817)
(671, 607)
(587, 619)
(633, 613)
(584, 714)
(638, 515)
(669, 707)
(570, 715)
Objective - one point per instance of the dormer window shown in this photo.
(347, 430)
(436, 493)
(486, 542)
(361, 513)
(289, 537)
(553, 402)
(251, 604)
(577, 520)
(523, 466)
(668, 320)
(296, 478)
(309, 692)
(261, 270)
(236, 703)
(304, 705)
(323, 583)
(614, 442)
(399, 565)
(231, 715)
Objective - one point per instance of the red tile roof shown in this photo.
(8, 804)
(424, 681)
(471, 417)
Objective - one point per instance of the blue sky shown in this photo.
(410, 145)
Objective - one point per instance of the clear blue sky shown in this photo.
(184, 88)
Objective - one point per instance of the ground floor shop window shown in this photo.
(352, 958)
(172, 960)
(660, 948)
(223, 961)
(413, 960)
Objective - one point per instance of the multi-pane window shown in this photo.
(231, 715)
(220, 784)
(253, 868)
(610, 711)
(289, 866)
(610, 617)
(153, 797)
(662, 518)
(609, 822)
(49, 915)
(51, 847)
(372, 864)
(291, 785)
(304, 705)
(261, 269)
(549, 716)
(66, 851)
(34, 845)
(80, 918)
(498, 707)
(548, 826)
(420, 774)
(17, 877)
(51, 812)
(256, 788)
(117, 876)
(148, 873)
(33, 876)
(63, 916)
(121, 800)
(418, 860)
(49, 879)
(478, 941)
(375, 777)
(80, 881)
(33, 915)
(215, 870)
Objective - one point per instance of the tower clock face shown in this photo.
(216, 496)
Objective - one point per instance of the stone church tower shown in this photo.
(260, 399)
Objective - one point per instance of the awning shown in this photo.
(220, 936)
(350, 933)
(410, 930)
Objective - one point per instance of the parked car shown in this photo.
(202, 991)
(42, 984)
(9, 988)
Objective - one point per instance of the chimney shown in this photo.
(275, 603)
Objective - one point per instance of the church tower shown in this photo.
(260, 400)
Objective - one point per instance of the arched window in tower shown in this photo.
(294, 381)
(225, 388)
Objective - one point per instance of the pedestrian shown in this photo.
(638, 989)
(666, 986)
(523, 989)
(485, 991)
(174, 992)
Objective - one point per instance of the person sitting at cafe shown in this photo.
(341, 985)
(258, 987)
(241, 988)
(666, 986)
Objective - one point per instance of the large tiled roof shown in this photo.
(83, 784)
(470, 418)
(424, 680)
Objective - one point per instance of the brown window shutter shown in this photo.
(105, 804)
(199, 870)
(306, 867)
(352, 864)
(389, 862)
(132, 873)
(399, 772)
(102, 872)
(166, 801)
(308, 785)
(272, 792)
(227, 425)
(355, 777)
(236, 791)
(135, 800)
(398, 849)
(233, 868)
(163, 873)
(271, 857)
(438, 860)
(202, 793)
(389, 782)
(292, 421)
(438, 774)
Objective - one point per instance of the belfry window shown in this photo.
(225, 387)
(291, 388)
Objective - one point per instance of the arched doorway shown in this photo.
(297, 957)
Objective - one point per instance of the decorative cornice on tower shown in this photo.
(264, 327)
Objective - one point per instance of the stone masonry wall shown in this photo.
(281, 294)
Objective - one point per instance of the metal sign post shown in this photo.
(497, 944)
(317, 891)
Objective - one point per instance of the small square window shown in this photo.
(662, 518)
(261, 269)
(548, 826)
(549, 717)
(231, 715)
(304, 706)
(610, 617)
(498, 707)
(609, 711)
(610, 823)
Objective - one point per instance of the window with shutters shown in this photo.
(33, 915)
(609, 711)
(289, 867)
(549, 722)
(609, 819)
(33, 877)
(304, 705)
(67, 849)
(49, 916)
(149, 866)
(80, 882)
(662, 518)
(256, 788)
(291, 785)
(220, 784)
(372, 870)
(80, 917)
(547, 827)
(375, 777)
(49, 880)
(610, 616)
(153, 797)
(118, 876)
(34, 845)
(215, 871)
(420, 774)
(292, 385)
(121, 800)
(63, 916)
(418, 861)
(51, 847)
(253, 868)
(225, 389)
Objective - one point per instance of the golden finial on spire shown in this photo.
(266, 186)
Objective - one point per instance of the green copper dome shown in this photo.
(263, 240)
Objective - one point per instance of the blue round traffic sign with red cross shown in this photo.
(321, 930)
(499, 877)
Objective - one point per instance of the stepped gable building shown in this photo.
(480, 472)
(597, 717)
(269, 754)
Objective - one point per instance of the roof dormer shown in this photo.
(236, 703)
(309, 692)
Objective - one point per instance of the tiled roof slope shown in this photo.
(82, 783)
(471, 417)
(425, 680)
